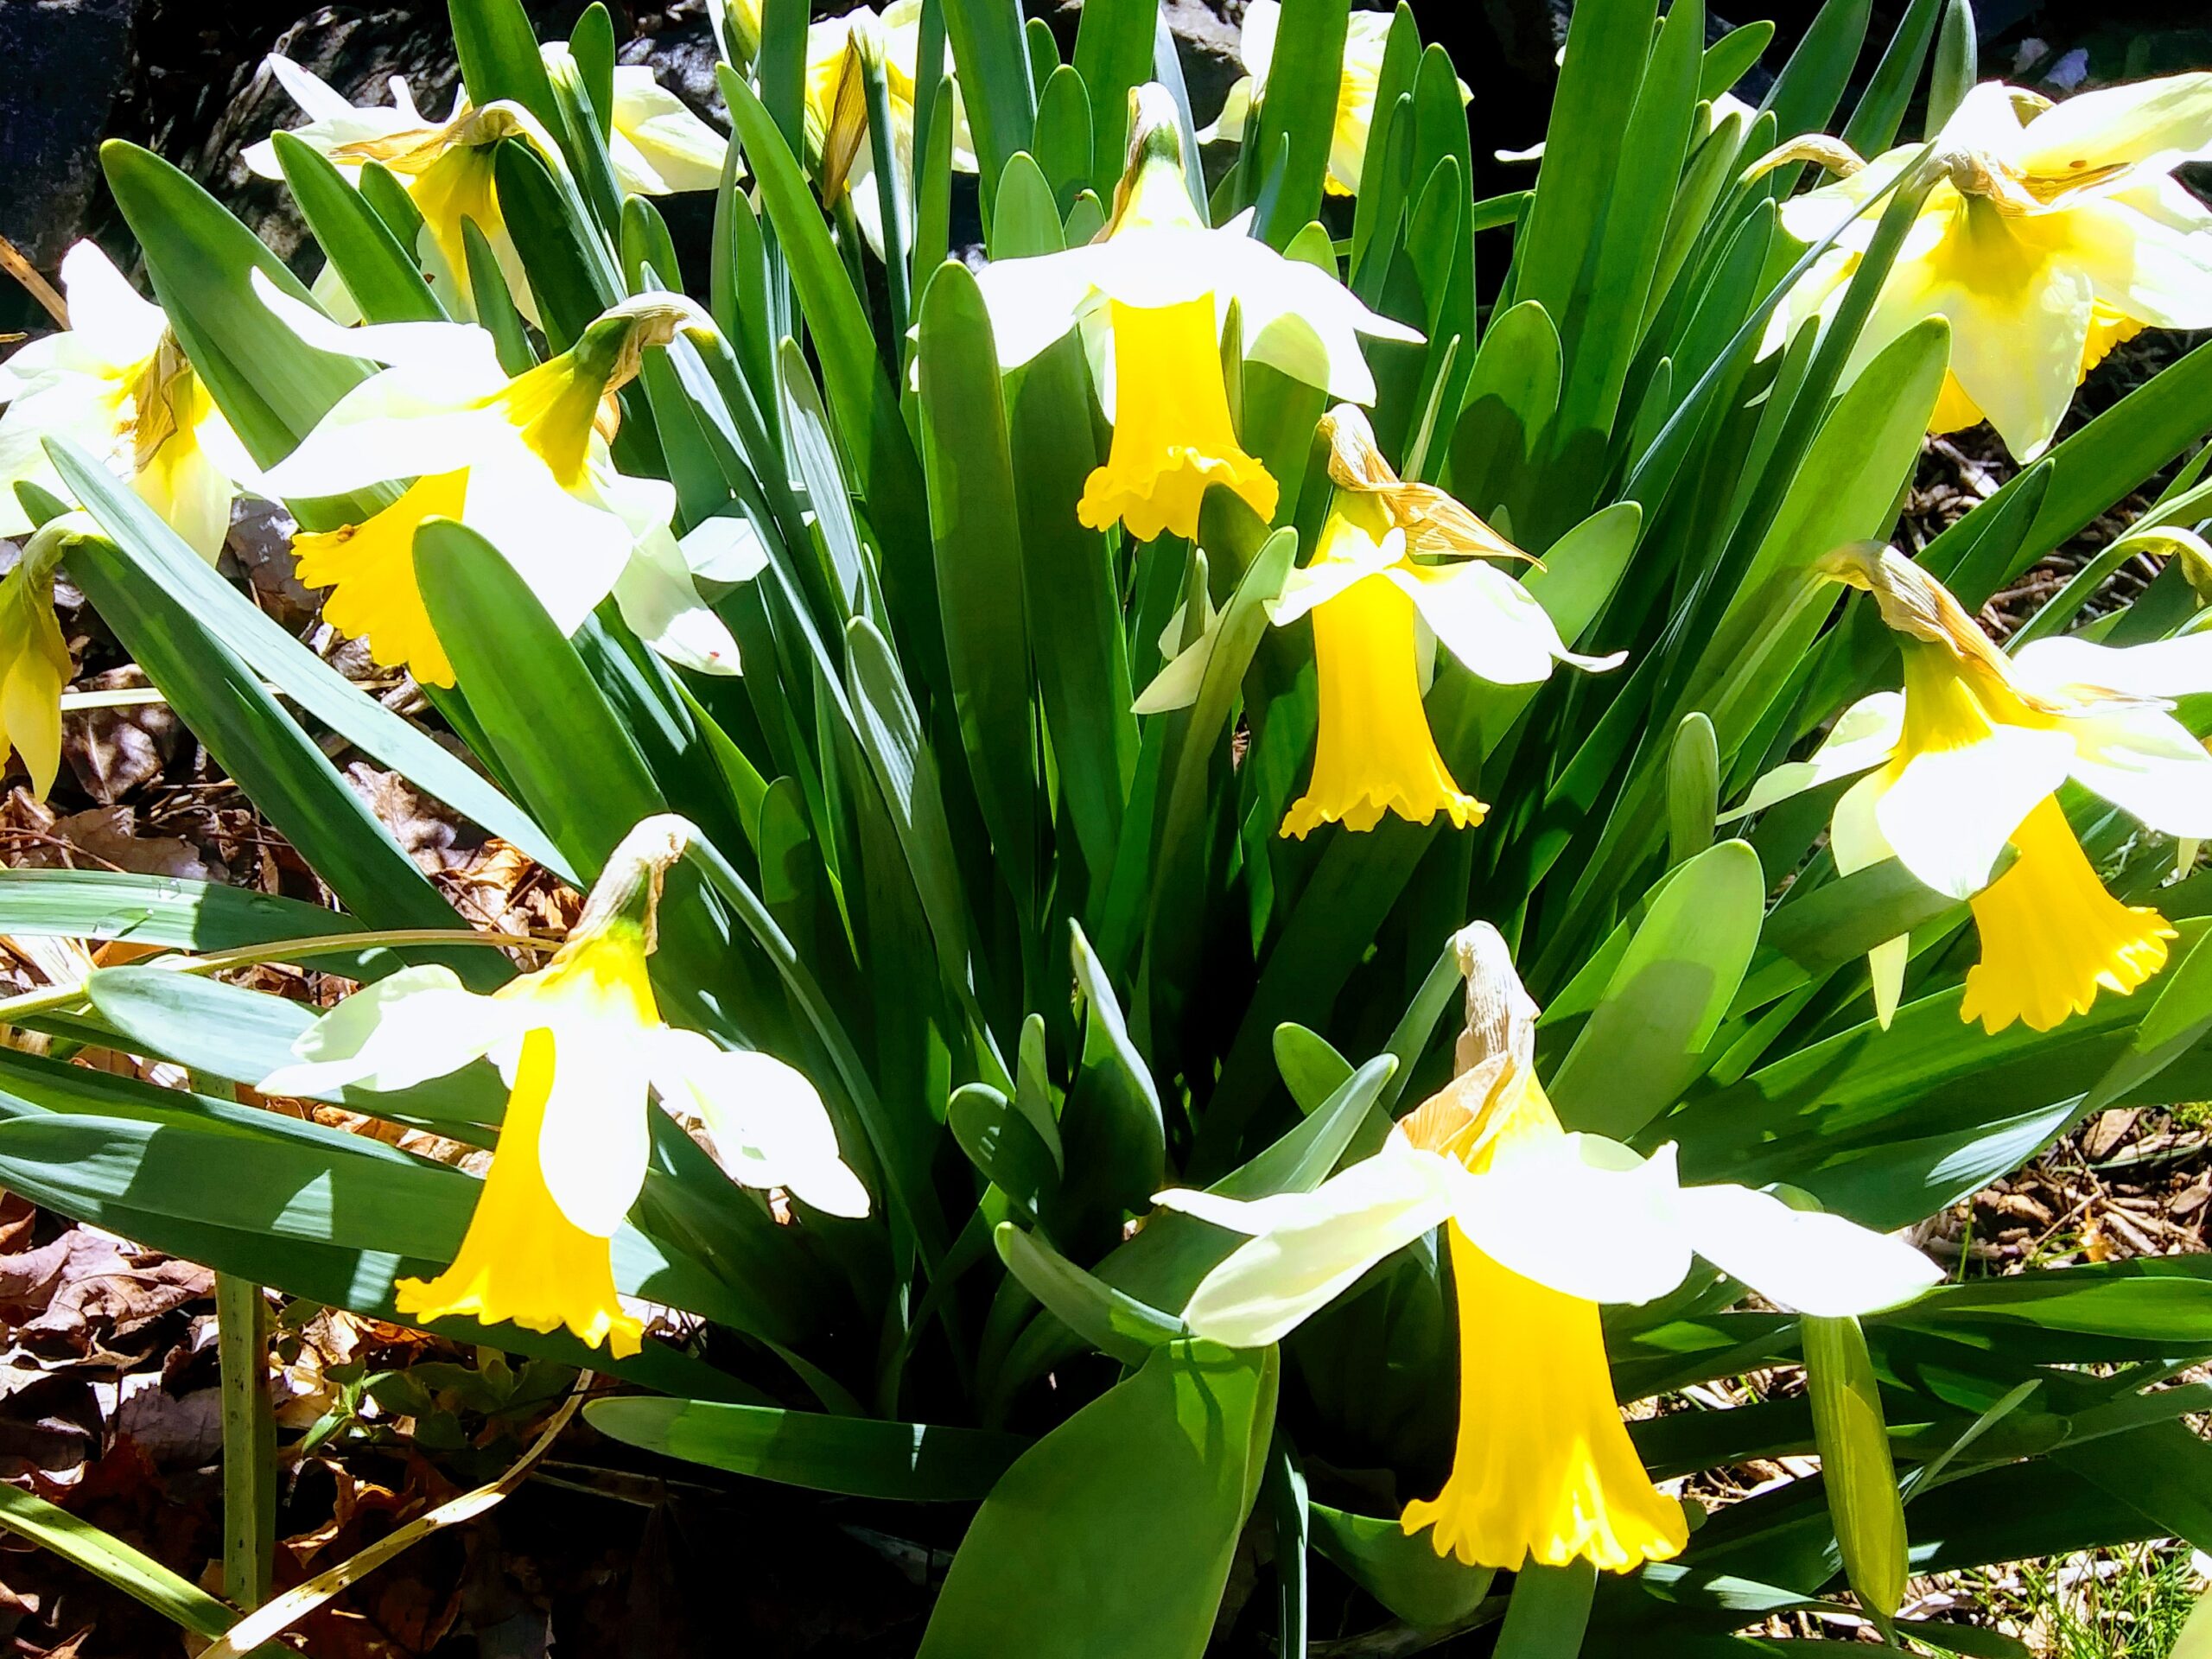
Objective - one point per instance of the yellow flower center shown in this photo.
(523, 1260)
(1373, 752)
(2051, 936)
(1542, 1468)
(1173, 435)
(370, 570)
(458, 185)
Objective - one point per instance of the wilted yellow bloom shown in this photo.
(523, 461)
(2053, 232)
(1968, 756)
(1368, 595)
(35, 663)
(115, 383)
(1544, 1226)
(837, 107)
(1152, 296)
(1367, 37)
(580, 1041)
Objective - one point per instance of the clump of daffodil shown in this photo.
(1153, 292)
(1367, 37)
(579, 1043)
(445, 167)
(1967, 759)
(523, 461)
(34, 663)
(115, 383)
(1392, 556)
(2052, 233)
(837, 107)
(1544, 1225)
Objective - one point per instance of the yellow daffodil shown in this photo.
(837, 107)
(1152, 296)
(523, 461)
(2053, 232)
(445, 167)
(658, 145)
(1367, 35)
(1544, 1225)
(35, 663)
(115, 383)
(1369, 595)
(1968, 757)
(578, 1042)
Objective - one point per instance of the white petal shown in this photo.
(1582, 1214)
(1950, 812)
(1033, 302)
(2080, 668)
(662, 146)
(1491, 622)
(2152, 124)
(1864, 735)
(595, 1141)
(106, 313)
(769, 1125)
(1228, 127)
(460, 350)
(2140, 267)
(404, 422)
(1855, 835)
(725, 552)
(317, 99)
(1309, 1247)
(570, 552)
(416, 1024)
(1815, 1263)
(662, 608)
(2147, 764)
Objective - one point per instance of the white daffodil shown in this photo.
(1544, 1225)
(1367, 37)
(521, 461)
(1370, 597)
(1152, 296)
(658, 145)
(1967, 758)
(445, 167)
(578, 1042)
(837, 107)
(2053, 232)
(115, 383)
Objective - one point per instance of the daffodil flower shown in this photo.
(658, 145)
(1152, 296)
(837, 107)
(1369, 595)
(521, 461)
(1544, 1225)
(579, 1044)
(445, 167)
(1967, 758)
(115, 383)
(1367, 37)
(34, 663)
(2053, 232)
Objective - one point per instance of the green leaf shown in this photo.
(1064, 135)
(1729, 59)
(1108, 1320)
(1860, 1482)
(1003, 1144)
(1297, 112)
(380, 273)
(1693, 788)
(1873, 124)
(574, 764)
(1646, 1038)
(1811, 84)
(1115, 1135)
(1406, 1574)
(1955, 70)
(859, 1457)
(992, 59)
(1311, 1069)
(1113, 54)
(156, 910)
(975, 526)
(1113, 1535)
(1511, 396)
(108, 1558)
(1549, 1611)
(499, 59)
(571, 270)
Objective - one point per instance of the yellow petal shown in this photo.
(370, 570)
(2051, 936)
(1542, 1468)
(1172, 431)
(1374, 751)
(523, 1260)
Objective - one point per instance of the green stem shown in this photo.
(249, 1442)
